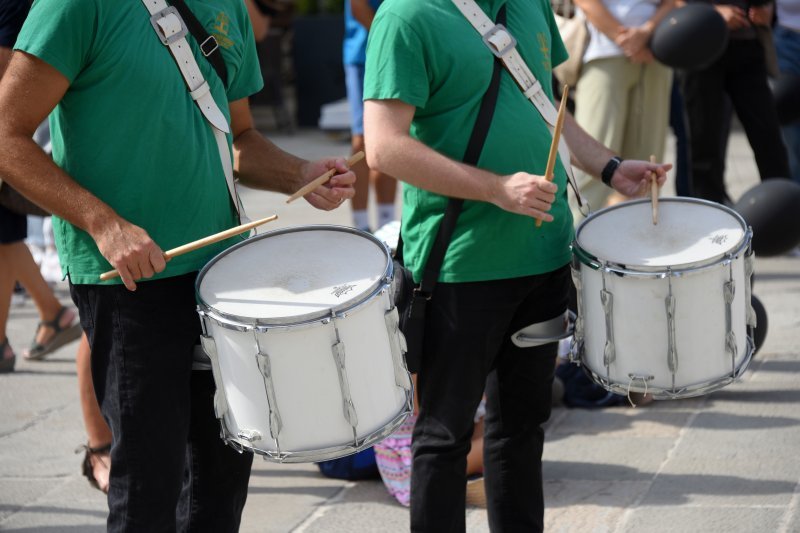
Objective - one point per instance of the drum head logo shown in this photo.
(719, 239)
(341, 290)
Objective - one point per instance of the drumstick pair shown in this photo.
(311, 185)
(222, 235)
(199, 243)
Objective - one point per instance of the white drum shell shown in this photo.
(305, 378)
(641, 336)
(271, 368)
(641, 330)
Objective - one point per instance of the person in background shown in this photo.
(96, 464)
(787, 46)
(357, 21)
(119, 203)
(738, 78)
(261, 13)
(58, 324)
(622, 98)
(426, 74)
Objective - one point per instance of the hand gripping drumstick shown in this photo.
(311, 185)
(654, 192)
(551, 159)
(205, 241)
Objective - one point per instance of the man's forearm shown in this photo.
(31, 172)
(411, 161)
(588, 154)
(259, 164)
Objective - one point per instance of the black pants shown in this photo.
(468, 350)
(740, 75)
(170, 471)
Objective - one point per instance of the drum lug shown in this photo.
(250, 435)
(729, 290)
(220, 402)
(275, 422)
(672, 353)
(609, 352)
(748, 288)
(208, 344)
(397, 345)
(348, 408)
(576, 346)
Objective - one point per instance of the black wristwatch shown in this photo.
(609, 169)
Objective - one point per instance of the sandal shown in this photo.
(6, 363)
(101, 454)
(476, 492)
(61, 336)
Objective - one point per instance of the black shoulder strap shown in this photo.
(208, 43)
(430, 274)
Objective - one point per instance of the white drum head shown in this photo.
(293, 275)
(689, 233)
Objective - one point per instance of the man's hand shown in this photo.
(526, 194)
(130, 250)
(633, 40)
(761, 15)
(632, 178)
(336, 190)
(735, 17)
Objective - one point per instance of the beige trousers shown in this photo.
(626, 107)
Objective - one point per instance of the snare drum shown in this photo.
(663, 308)
(303, 337)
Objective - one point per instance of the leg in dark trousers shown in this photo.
(142, 344)
(706, 109)
(754, 105)
(468, 327)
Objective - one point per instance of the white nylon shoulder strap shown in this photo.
(503, 45)
(171, 31)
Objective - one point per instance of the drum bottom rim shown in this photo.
(685, 391)
(333, 452)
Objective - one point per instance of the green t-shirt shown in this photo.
(127, 128)
(428, 55)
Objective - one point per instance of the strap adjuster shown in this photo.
(169, 25)
(499, 40)
(209, 46)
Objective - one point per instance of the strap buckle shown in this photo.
(209, 46)
(499, 40)
(169, 25)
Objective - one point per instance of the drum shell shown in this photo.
(641, 329)
(306, 383)
(314, 384)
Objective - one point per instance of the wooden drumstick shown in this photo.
(199, 243)
(551, 158)
(654, 192)
(311, 185)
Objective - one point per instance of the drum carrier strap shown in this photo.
(503, 45)
(430, 273)
(170, 25)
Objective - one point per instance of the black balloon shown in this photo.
(760, 331)
(772, 209)
(786, 91)
(690, 37)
